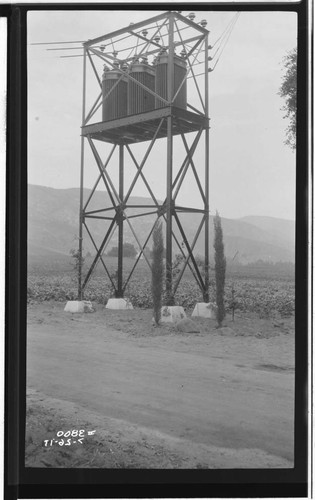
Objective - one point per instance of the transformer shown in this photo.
(140, 100)
(161, 80)
(114, 94)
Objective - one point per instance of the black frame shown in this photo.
(44, 483)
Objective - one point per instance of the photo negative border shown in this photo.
(21, 482)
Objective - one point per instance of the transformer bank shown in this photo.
(144, 98)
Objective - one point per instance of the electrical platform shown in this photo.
(145, 94)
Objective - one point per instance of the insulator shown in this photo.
(105, 68)
(183, 53)
(145, 59)
(124, 66)
(210, 58)
(203, 23)
(191, 16)
(144, 33)
(102, 47)
(156, 39)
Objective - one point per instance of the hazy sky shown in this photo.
(251, 171)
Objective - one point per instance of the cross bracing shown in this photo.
(162, 36)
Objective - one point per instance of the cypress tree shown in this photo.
(220, 267)
(157, 271)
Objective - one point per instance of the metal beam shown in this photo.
(99, 252)
(94, 69)
(98, 217)
(169, 173)
(121, 31)
(99, 177)
(139, 256)
(99, 210)
(195, 109)
(143, 161)
(80, 291)
(103, 172)
(142, 215)
(207, 167)
(187, 163)
(127, 120)
(183, 254)
(120, 225)
(101, 257)
(119, 201)
(189, 210)
(184, 164)
(93, 110)
(142, 176)
(191, 23)
(193, 168)
(176, 44)
(190, 253)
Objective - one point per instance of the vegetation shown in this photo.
(128, 251)
(77, 267)
(157, 271)
(288, 93)
(220, 268)
(263, 290)
(77, 262)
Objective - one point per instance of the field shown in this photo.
(267, 292)
(159, 397)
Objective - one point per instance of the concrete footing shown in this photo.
(205, 310)
(79, 306)
(119, 304)
(172, 314)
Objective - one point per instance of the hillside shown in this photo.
(53, 227)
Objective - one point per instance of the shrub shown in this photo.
(129, 251)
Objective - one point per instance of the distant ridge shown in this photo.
(53, 216)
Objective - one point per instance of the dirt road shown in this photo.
(210, 390)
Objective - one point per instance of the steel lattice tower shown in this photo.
(166, 120)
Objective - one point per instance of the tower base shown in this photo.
(118, 304)
(79, 306)
(172, 314)
(205, 310)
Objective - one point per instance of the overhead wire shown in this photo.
(56, 43)
(223, 32)
(222, 41)
(116, 41)
(223, 44)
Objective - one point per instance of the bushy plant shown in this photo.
(77, 261)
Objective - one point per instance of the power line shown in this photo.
(223, 32)
(223, 44)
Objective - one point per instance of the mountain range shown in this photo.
(53, 216)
